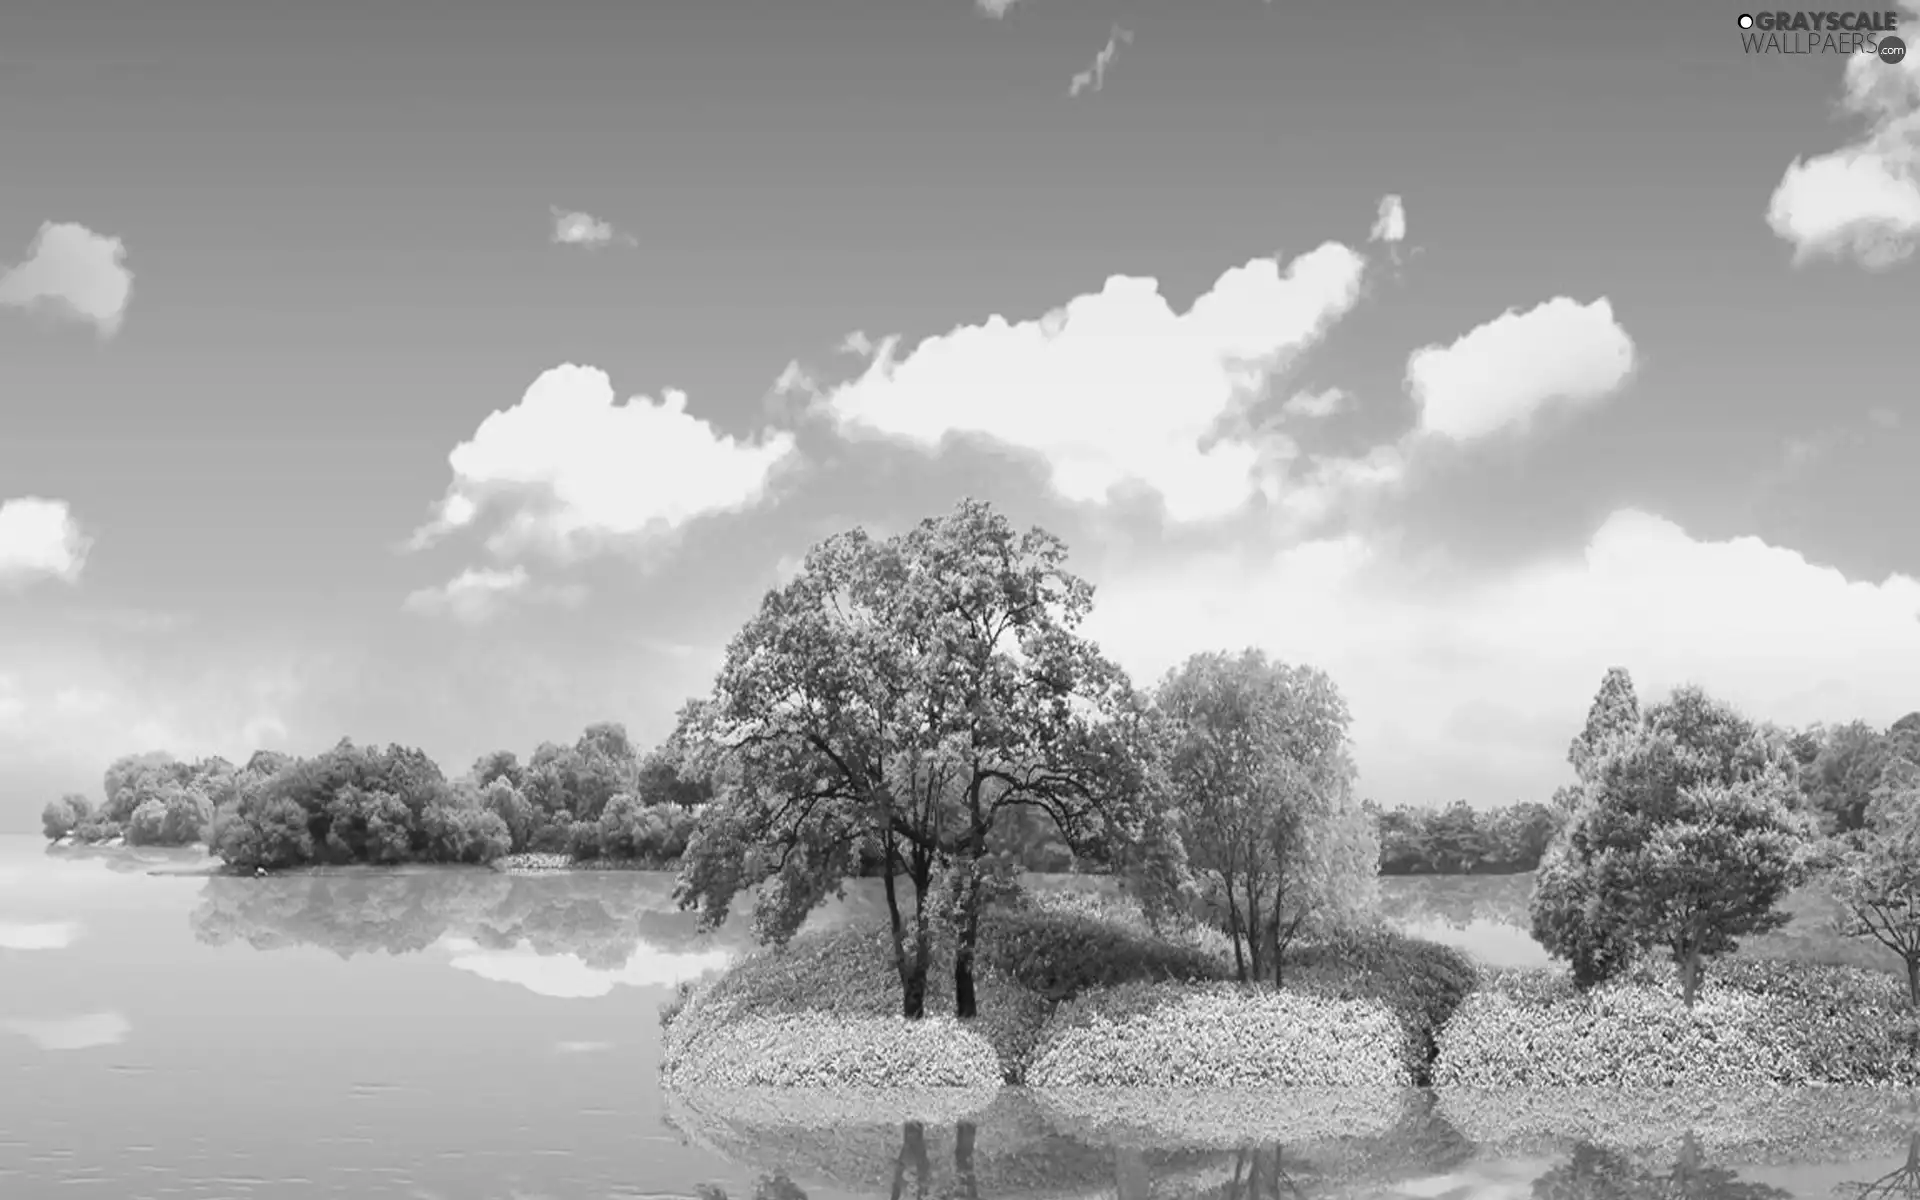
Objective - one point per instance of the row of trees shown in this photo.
(1691, 824)
(361, 804)
(910, 701)
(1463, 840)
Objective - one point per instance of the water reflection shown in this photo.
(572, 936)
(1025, 1145)
(1903, 1180)
(82, 1032)
(42, 935)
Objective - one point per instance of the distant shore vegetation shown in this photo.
(925, 711)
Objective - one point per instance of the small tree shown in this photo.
(1686, 840)
(1877, 882)
(1258, 772)
(61, 817)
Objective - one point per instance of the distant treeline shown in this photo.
(1462, 840)
(601, 798)
(596, 798)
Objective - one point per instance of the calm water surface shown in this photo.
(465, 1034)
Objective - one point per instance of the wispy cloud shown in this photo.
(477, 595)
(1390, 225)
(994, 8)
(73, 272)
(575, 228)
(1095, 77)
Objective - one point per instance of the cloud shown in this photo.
(1390, 225)
(1861, 201)
(585, 229)
(74, 1033)
(40, 539)
(570, 465)
(72, 271)
(1115, 386)
(1483, 681)
(1095, 77)
(479, 594)
(1498, 375)
(1314, 405)
(994, 8)
(47, 935)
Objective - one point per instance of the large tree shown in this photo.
(898, 698)
(1258, 770)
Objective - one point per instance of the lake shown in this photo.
(465, 1034)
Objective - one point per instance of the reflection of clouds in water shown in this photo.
(1491, 943)
(74, 1033)
(583, 1047)
(1499, 1180)
(566, 977)
(46, 935)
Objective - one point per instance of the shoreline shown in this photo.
(523, 863)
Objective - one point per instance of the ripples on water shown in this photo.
(469, 1035)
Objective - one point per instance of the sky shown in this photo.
(456, 376)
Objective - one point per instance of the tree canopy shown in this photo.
(899, 697)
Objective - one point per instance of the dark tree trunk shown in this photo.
(965, 1004)
(1913, 981)
(1255, 929)
(913, 1157)
(1233, 927)
(964, 1175)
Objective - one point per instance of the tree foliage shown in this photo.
(1685, 839)
(897, 699)
(1877, 880)
(1260, 780)
(1615, 710)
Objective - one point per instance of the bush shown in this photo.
(1421, 982)
(1062, 945)
(63, 816)
(842, 978)
(1756, 1022)
(1218, 1035)
(583, 840)
(818, 1050)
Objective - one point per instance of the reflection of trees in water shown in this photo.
(601, 916)
(1016, 1148)
(1903, 1180)
(1457, 900)
(1593, 1173)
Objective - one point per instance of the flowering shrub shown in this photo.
(818, 1050)
(843, 977)
(1422, 982)
(1755, 1023)
(1218, 1036)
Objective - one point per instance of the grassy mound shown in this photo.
(1755, 1023)
(1219, 1035)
